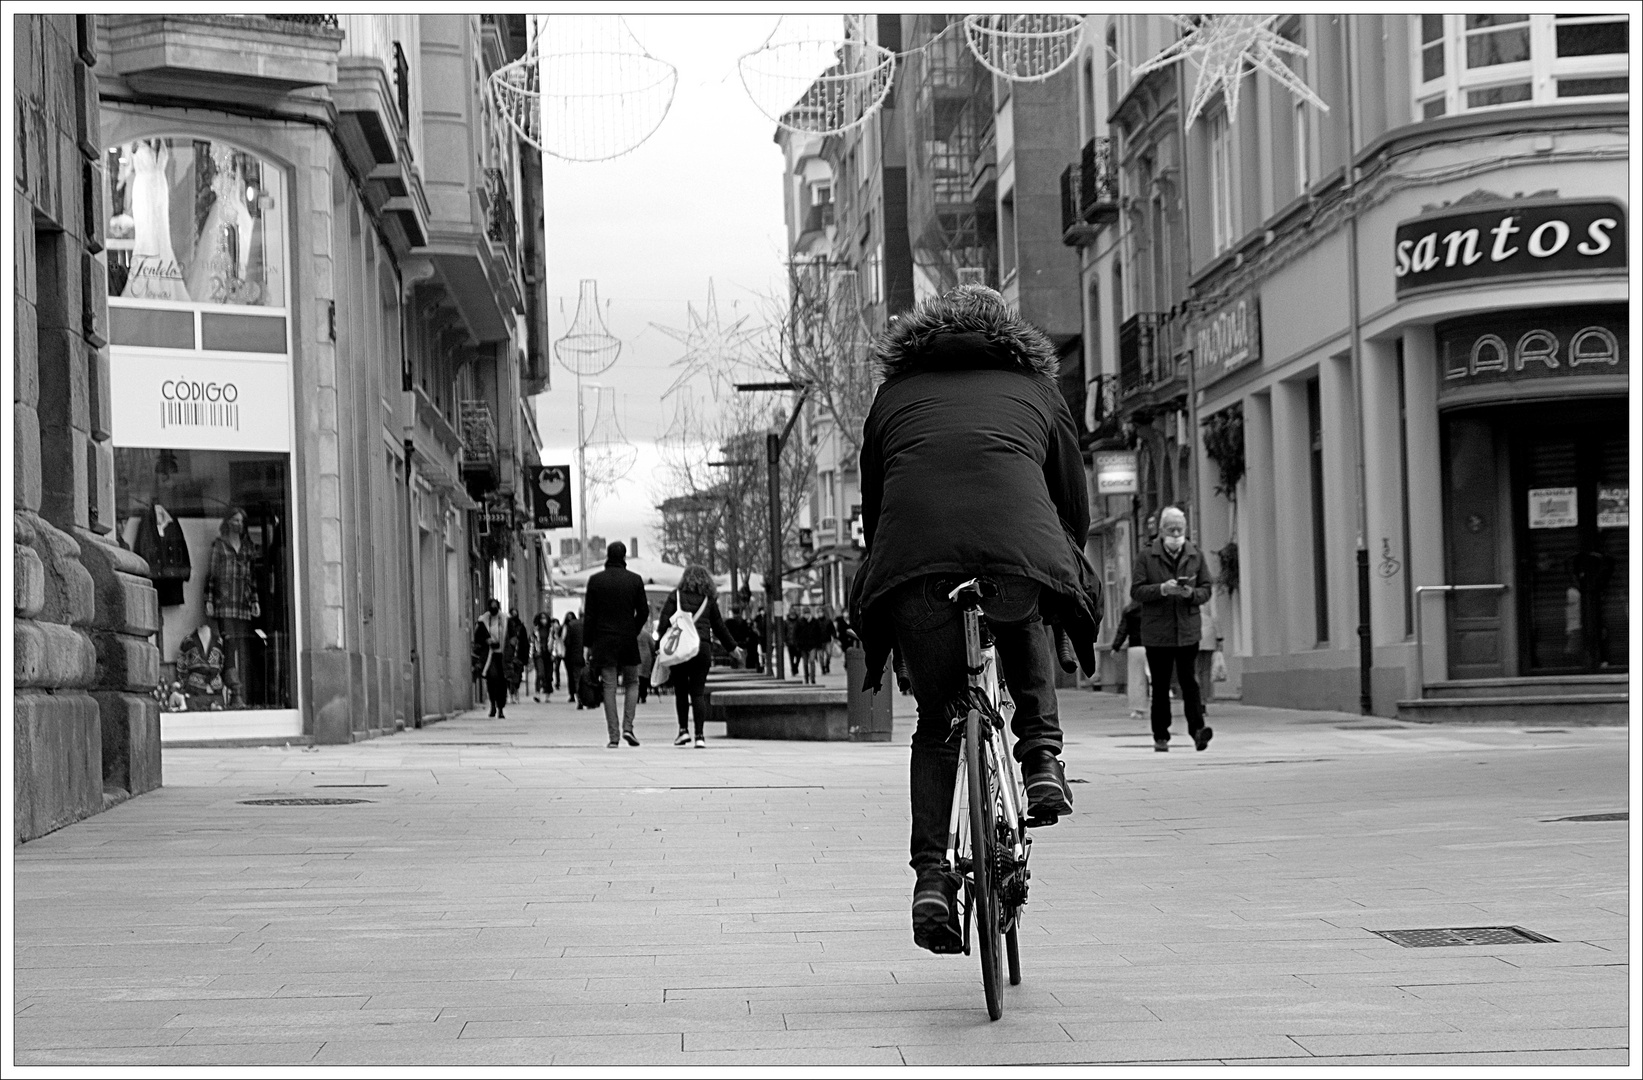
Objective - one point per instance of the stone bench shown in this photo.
(801, 713)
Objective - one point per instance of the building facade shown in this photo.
(85, 723)
(323, 268)
(1405, 336)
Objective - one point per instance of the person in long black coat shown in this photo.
(969, 466)
(576, 655)
(1171, 583)
(614, 610)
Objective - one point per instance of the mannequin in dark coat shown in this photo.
(970, 466)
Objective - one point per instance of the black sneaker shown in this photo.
(631, 738)
(1046, 783)
(935, 913)
(1202, 738)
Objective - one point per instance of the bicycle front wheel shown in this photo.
(984, 863)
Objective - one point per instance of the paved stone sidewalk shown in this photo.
(511, 892)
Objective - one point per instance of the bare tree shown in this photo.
(818, 337)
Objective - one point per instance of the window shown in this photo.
(875, 275)
(1300, 140)
(821, 193)
(1220, 182)
(1468, 62)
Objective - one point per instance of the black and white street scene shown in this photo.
(821, 541)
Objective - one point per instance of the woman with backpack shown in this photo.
(698, 598)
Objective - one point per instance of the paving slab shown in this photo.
(515, 894)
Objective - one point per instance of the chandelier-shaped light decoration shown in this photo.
(1024, 48)
(1222, 45)
(711, 346)
(588, 347)
(819, 87)
(586, 89)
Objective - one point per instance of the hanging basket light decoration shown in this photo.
(585, 90)
(853, 81)
(588, 347)
(1024, 48)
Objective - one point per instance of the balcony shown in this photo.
(1101, 410)
(817, 220)
(1089, 194)
(216, 58)
(1150, 369)
(479, 446)
(372, 112)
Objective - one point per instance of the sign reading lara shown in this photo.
(1509, 239)
(550, 496)
(1538, 344)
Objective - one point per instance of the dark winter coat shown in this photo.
(970, 465)
(167, 556)
(711, 620)
(1170, 620)
(614, 610)
(574, 644)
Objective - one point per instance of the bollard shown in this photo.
(871, 716)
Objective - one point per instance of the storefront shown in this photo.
(202, 424)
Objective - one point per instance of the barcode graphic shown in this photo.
(215, 414)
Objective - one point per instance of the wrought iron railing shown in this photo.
(1089, 192)
(402, 85)
(501, 228)
(478, 433)
(1147, 348)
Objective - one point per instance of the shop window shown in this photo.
(215, 529)
(1465, 63)
(195, 221)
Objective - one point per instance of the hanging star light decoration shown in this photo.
(1222, 45)
(710, 344)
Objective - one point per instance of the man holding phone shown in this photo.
(1171, 583)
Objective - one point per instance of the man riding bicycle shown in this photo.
(970, 467)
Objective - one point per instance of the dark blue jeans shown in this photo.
(930, 638)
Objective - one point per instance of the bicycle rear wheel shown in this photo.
(984, 864)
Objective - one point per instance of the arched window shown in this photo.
(196, 222)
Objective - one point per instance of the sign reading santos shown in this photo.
(1509, 240)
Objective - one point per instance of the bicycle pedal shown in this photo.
(1038, 822)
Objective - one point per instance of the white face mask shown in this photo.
(1173, 544)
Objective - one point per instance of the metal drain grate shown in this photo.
(1621, 816)
(1463, 935)
(300, 802)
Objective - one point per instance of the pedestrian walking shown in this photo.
(489, 663)
(697, 595)
(821, 633)
(516, 651)
(1171, 583)
(575, 654)
(792, 631)
(542, 627)
(1128, 639)
(647, 659)
(613, 611)
(1209, 644)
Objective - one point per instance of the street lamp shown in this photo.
(773, 444)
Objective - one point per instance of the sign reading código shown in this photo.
(1506, 240)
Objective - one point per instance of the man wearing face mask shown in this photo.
(1171, 583)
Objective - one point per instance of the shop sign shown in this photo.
(1509, 240)
(1613, 507)
(1550, 343)
(192, 403)
(1115, 472)
(550, 496)
(1553, 508)
(1228, 339)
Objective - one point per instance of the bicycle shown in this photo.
(987, 840)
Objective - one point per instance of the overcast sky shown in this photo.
(700, 199)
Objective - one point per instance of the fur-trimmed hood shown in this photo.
(963, 332)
